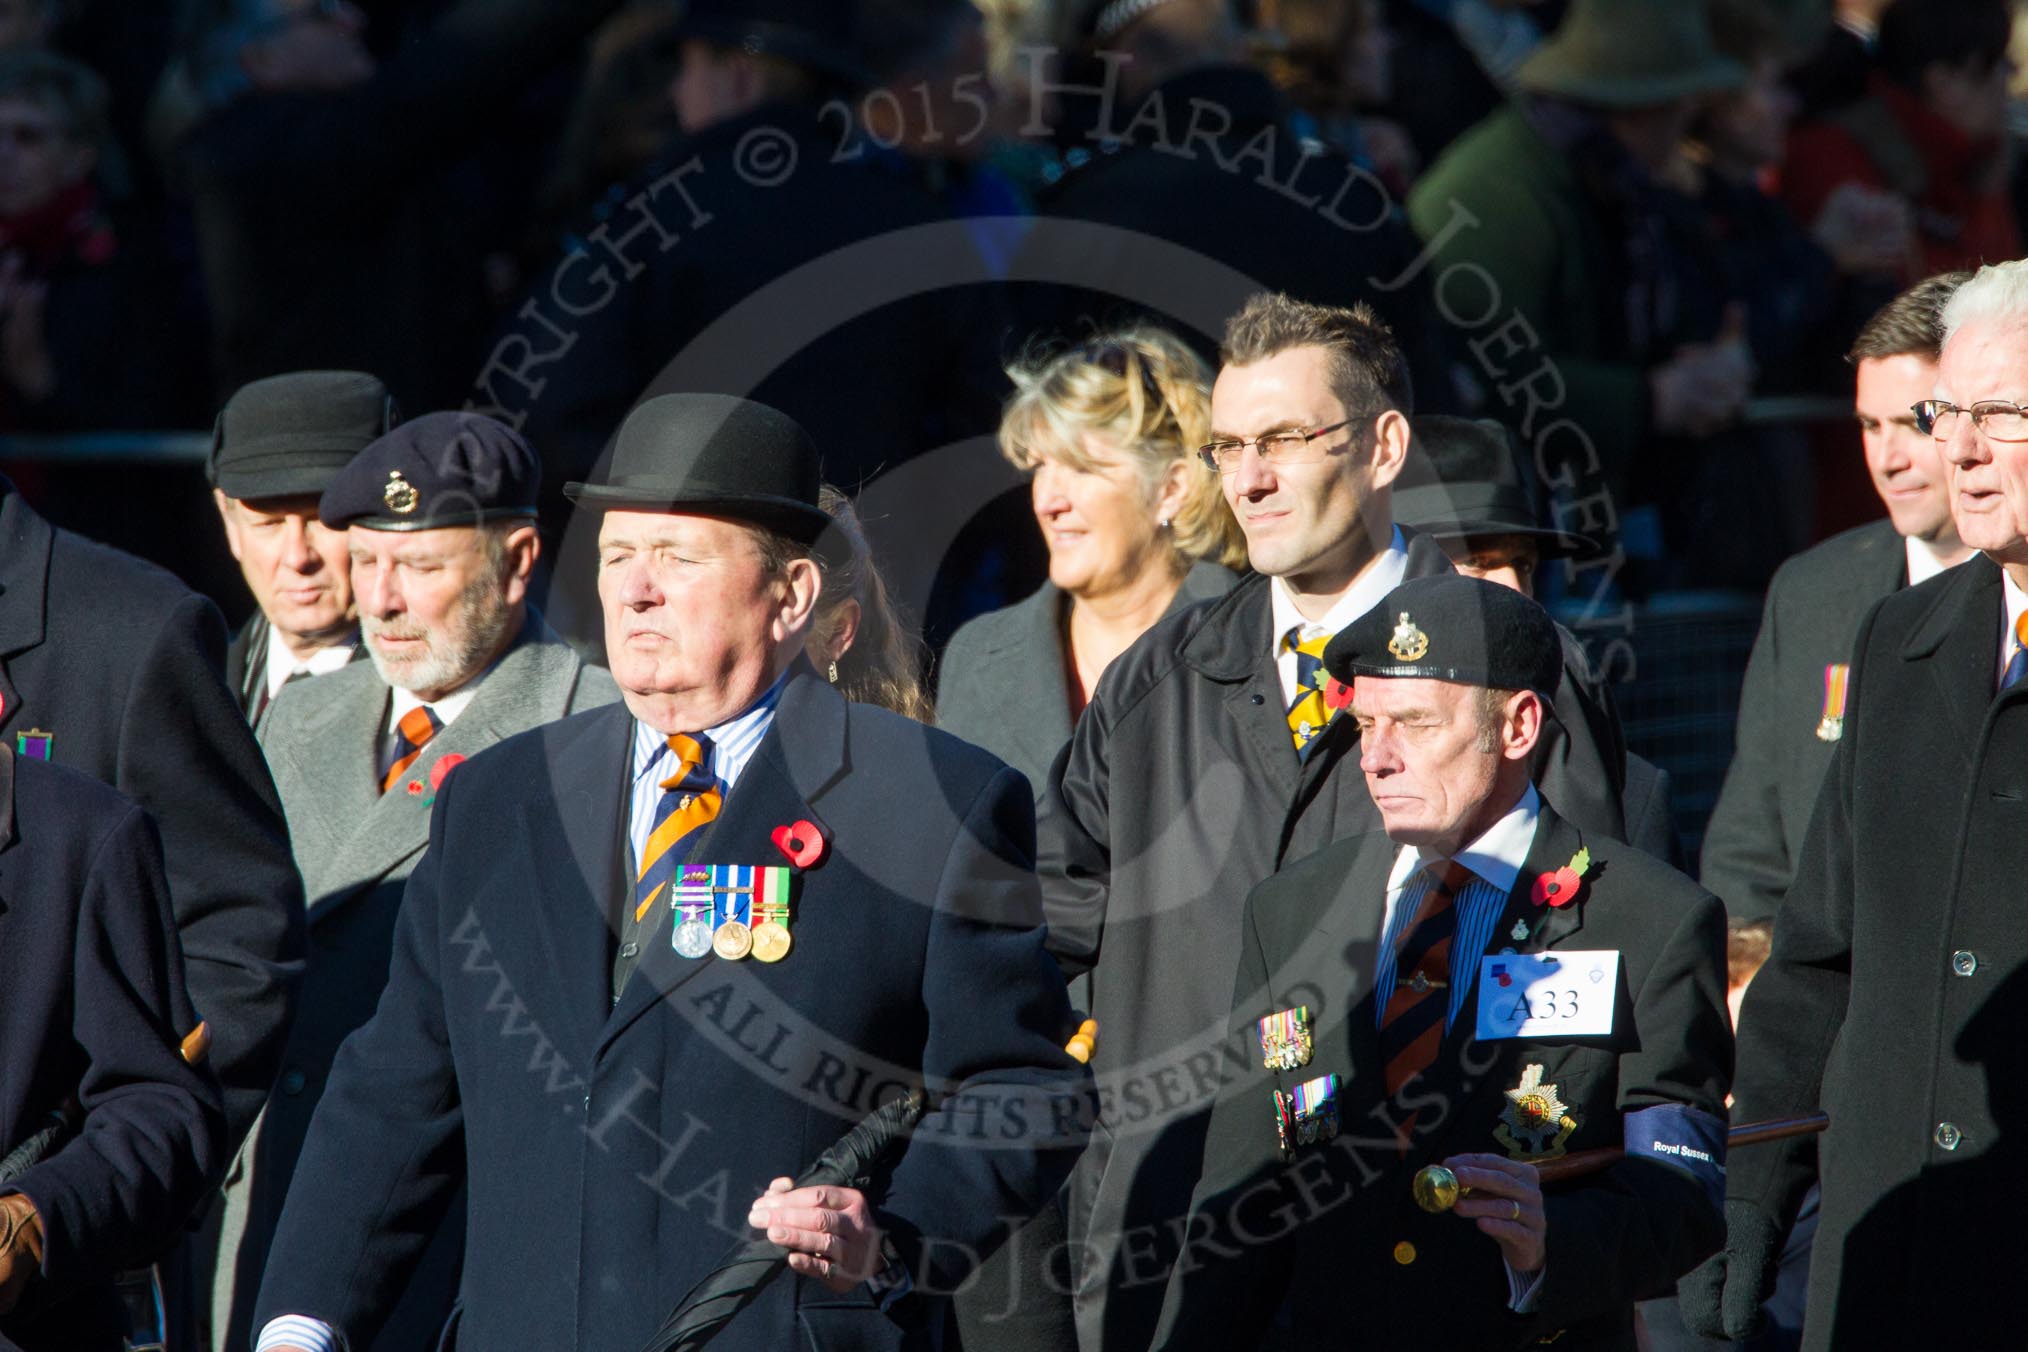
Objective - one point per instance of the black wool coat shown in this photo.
(1898, 987)
(1813, 612)
(1331, 1232)
(1179, 791)
(610, 1149)
(121, 664)
(93, 1010)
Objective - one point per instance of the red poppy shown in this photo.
(443, 768)
(1337, 694)
(802, 842)
(415, 788)
(1556, 889)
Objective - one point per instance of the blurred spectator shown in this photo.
(25, 24)
(1557, 199)
(774, 172)
(71, 275)
(1464, 55)
(1840, 58)
(1931, 129)
(336, 228)
(1334, 62)
(1805, 294)
(859, 640)
(1135, 526)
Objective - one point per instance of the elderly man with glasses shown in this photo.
(1898, 982)
(1209, 757)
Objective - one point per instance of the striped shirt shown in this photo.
(733, 744)
(1496, 860)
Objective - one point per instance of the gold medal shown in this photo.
(771, 941)
(733, 941)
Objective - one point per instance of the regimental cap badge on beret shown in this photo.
(399, 495)
(1409, 642)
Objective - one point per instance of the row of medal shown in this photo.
(733, 910)
(1308, 1113)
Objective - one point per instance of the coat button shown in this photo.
(1404, 1253)
(293, 1082)
(1948, 1135)
(1964, 962)
(1260, 699)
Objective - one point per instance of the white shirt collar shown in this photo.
(1923, 564)
(733, 742)
(446, 709)
(1498, 855)
(2013, 602)
(1382, 576)
(283, 664)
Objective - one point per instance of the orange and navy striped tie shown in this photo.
(2017, 665)
(1412, 1025)
(1308, 715)
(690, 800)
(412, 732)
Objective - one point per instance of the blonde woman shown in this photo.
(1135, 527)
(859, 640)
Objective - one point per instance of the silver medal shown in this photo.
(692, 938)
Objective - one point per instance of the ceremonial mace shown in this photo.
(1437, 1188)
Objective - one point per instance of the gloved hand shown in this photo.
(1722, 1298)
(20, 1248)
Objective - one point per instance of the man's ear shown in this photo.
(229, 515)
(800, 585)
(523, 547)
(1390, 447)
(1521, 725)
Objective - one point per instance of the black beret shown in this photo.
(443, 469)
(289, 435)
(1463, 478)
(1452, 628)
(714, 455)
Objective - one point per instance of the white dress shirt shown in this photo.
(1496, 859)
(283, 664)
(1382, 576)
(1923, 563)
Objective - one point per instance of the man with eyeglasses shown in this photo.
(1898, 982)
(1209, 755)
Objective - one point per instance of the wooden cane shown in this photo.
(1437, 1188)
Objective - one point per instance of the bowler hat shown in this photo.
(1462, 479)
(819, 34)
(714, 455)
(443, 469)
(1630, 54)
(289, 435)
(1449, 627)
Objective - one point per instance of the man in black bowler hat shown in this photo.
(614, 1036)
(1492, 989)
(274, 450)
(1463, 486)
(438, 520)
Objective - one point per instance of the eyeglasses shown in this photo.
(1288, 446)
(1999, 419)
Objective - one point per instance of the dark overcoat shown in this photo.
(1352, 1255)
(1814, 608)
(121, 664)
(610, 1150)
(93, 1009)
(1179, 791)
(1902, 937)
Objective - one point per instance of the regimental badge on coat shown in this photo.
(1832, 725)
(1307, 1114)
(1535, 1123)
(35, 744)
(1285, 1039)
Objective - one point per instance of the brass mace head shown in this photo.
(1436, 1188)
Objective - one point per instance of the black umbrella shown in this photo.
(751, 1264)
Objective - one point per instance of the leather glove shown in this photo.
(20, 1248)
(1722, 1298)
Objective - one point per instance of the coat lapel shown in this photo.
(573, 840)
(1959, 642)
(25, 544)
(323, 759)
(803, 754)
